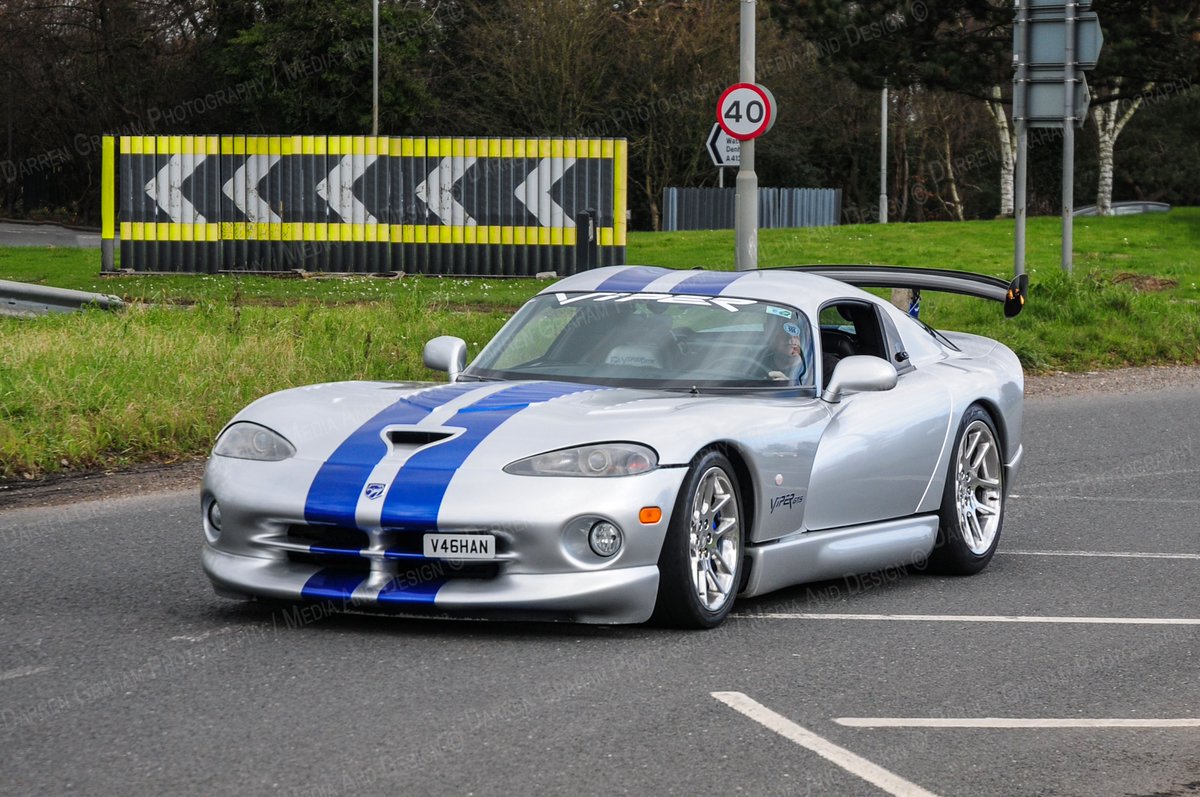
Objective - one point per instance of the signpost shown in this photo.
(745, 111)
(1053, 45)
(724, 150)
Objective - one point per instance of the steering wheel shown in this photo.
(682, 338)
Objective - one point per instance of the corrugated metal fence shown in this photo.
(712, 208)
(486, 206)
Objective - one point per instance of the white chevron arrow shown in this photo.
(448, 172)
(253, 206)
(343, 201)
(178, 207)
(545, 205)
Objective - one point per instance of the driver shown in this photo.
(785, 353)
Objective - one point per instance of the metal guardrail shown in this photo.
(24, 299)
(712, 208)
(1126, 208)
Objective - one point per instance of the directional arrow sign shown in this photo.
(172, 176)
(436, 191)
(244, 191)
(339, 195)
(540, 182)
(724, 149)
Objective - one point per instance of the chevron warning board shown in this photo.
(485, 206)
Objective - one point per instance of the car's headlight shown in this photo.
(245, 440)
(603, 459)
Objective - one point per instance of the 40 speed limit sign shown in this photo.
(746, 111)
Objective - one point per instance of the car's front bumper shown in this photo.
(622, 595)
(542, 567)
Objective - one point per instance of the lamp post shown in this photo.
(883, 131)
(746, 192)
(375, 68)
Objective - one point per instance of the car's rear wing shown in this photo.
(1012, 294)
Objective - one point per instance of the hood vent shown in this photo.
(415, 438)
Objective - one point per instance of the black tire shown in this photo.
(679, 604)
(965, 543)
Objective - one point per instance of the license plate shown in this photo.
(460, 546)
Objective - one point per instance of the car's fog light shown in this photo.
(604, 538)
(214, 516)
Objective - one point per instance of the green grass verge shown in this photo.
(154, 383)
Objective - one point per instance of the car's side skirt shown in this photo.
(834, 553)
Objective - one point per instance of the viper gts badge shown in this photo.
(790, 500)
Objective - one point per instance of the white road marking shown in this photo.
(21, 672)
(972, 618)
(852, 763)
(201, 637)
(1007, 722)
(1119, 476)
(1106, 554)
(1113, 499)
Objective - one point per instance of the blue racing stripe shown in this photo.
(332, 584)
(324, 550)
(335, 489)
(414, 587)
(415, 497)
(632, 279)
(708, 283)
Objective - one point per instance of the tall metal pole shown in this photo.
(883, 131)
(1068, 178)
(8, 192)
(1020, 95)
(746, 195)
(375, 68)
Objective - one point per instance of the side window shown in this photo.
(849, 328)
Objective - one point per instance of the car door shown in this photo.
(877, 454)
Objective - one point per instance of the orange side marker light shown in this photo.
(650, 515)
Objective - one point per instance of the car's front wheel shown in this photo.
(972, 511)
(700, 568)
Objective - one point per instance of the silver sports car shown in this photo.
(635, 443)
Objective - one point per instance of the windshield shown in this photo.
(652, 340)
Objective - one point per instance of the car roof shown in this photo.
(806, 292)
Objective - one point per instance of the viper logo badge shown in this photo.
(374, 490)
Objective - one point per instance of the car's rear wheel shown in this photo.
(972, 512)
(700, 568)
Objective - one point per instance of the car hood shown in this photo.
(508, 420)
(365, 455)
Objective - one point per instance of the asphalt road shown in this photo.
(121, 672)
(46, 235)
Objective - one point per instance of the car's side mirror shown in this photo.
(859, 372)
(446, 353)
